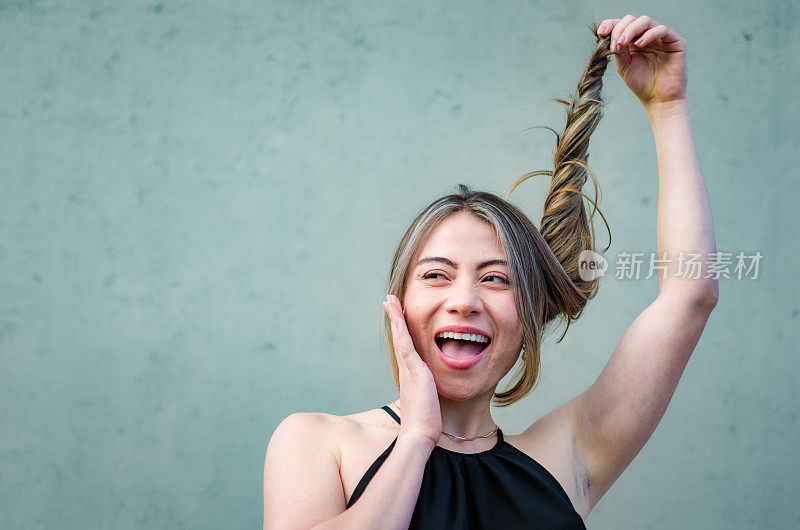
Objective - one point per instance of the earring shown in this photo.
(522, 353)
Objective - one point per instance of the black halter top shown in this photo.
(501, 488)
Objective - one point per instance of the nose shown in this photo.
(463, 298)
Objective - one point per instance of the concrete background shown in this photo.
(199, 201)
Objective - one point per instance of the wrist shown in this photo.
(666, 110)
(416, 441)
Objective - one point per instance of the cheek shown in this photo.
(416, 328)
(508, 313)
(417, 312)
(511, 321)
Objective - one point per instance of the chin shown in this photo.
(457, 390)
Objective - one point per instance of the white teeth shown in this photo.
(463, 336)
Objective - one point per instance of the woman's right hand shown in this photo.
(419, 399)
(651, 59)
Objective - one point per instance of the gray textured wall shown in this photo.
(199, 202)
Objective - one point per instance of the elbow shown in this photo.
(715, 295)
(703, 296)
(711, 296)
(708, 296)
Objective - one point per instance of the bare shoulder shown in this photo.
(303, 427)
(301, 469)
(307, 428)
(360, 433)
(337, 434)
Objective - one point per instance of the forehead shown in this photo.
(462, 237)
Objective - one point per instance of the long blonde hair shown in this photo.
(543, 264)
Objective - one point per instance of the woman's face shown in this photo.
(459, 279)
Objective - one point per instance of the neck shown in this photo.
(466, 418)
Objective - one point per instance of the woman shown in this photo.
(472, 288)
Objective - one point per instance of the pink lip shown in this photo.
(461, 364)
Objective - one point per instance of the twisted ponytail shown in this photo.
(565, 226)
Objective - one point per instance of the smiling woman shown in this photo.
(460, 279)
(492, 239)
(472, 288)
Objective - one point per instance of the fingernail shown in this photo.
(622, 39)
(639, 42)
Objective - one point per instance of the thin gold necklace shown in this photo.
(461, 438)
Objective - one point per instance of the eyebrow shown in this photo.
(453, 264)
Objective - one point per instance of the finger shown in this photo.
(405, 343)
(395, 308)
(606, 26)
(404, 348)
(618, 29)
(400, 322)
(634, 29)
(662, 32)
(402, 368)
(401, 362)
(390, 312)
(398, 329)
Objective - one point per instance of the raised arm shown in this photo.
(614, 418)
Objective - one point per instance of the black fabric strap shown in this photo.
(391, 413)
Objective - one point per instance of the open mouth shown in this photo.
(461, 348)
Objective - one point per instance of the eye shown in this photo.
(431, 275)
(501, 279)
